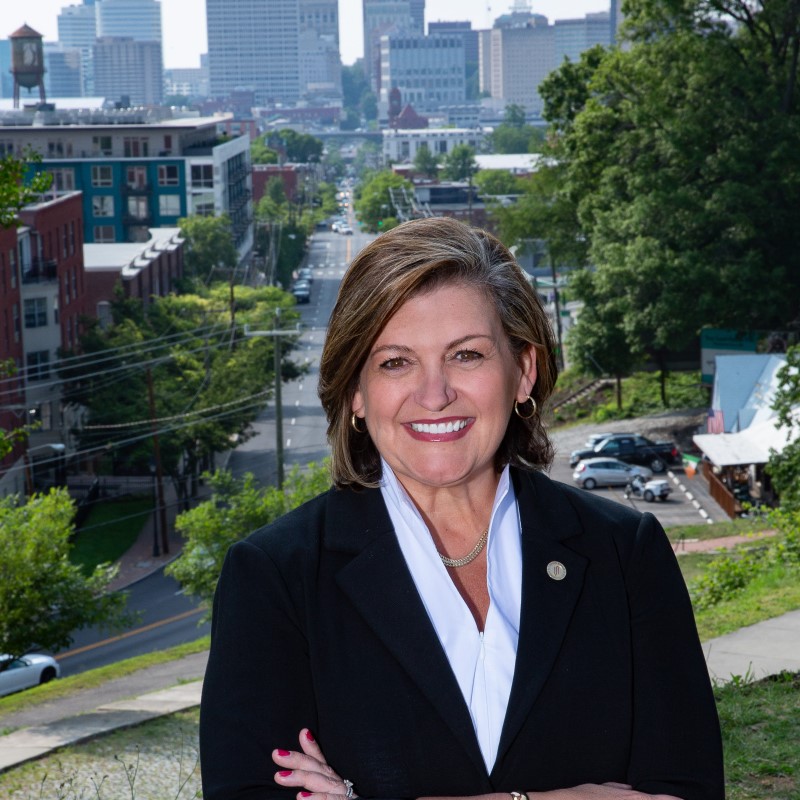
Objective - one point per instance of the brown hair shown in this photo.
(416, 257)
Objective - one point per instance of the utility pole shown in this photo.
(162, 507)
(277, 335)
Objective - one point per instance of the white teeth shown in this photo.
(441, 427)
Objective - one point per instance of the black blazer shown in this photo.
(317, 623)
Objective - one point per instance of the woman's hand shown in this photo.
(587, 791)
(309, 772)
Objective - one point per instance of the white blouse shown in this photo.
(482, 661)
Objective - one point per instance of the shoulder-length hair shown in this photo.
(413, 258)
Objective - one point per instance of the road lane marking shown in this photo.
(128, 634)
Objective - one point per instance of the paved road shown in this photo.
(304, 425)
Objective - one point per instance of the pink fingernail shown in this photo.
(305, 794)
(284, 753)
(285, 773)
(310, 737)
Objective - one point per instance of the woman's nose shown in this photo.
(434, 391)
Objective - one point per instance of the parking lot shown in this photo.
(688, 504)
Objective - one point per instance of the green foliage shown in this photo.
(209, 246)
(261, 154)
(493, 182)
(459, 164)
(725, 577)
(236, 509)
(44, 598)
(784, 467)
(374, 203)
(680, 159)
(426, 162)
(513, 135)
(300, 148)
(21, 182)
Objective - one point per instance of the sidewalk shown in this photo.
(754, 652)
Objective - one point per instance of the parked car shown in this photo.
(655, 489)
(595, 439)
(346, 230)
(305, 274)
(301, 291)
(26, 671)
(595, 472)
(633, 449)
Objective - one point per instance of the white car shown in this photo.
(26, 671)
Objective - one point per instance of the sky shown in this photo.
(184, 21)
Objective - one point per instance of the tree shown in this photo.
(680, 158)
(374, 204)
(260, 153)
(426, 163)
(21, 182)
(301, 148)
(493, 182)
(784, 467)
(513, 135)
(44, 598)
(236, 509)
(209, 246)
(460, 165)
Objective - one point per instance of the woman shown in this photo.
(447, 621)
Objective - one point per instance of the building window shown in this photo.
(35, 312)
(136, 177)
(101, 146)
(103, 234)
(168, 175)
(203, 176)
(167, 143)
(17, 329)
(138, 207)
(169, 205)
(136, 147)
(103, 205)
(203, 204)
(38, 364)
(6, 148)
(63, 179)
(102, 176)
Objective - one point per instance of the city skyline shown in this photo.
(184, 21)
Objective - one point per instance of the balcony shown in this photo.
(128, 189)
(141, 219)
(41, 271)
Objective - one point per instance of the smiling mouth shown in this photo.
(452, 426)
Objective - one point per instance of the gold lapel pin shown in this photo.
(556, 570)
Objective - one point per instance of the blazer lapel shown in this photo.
(547, 603)
(380, 587)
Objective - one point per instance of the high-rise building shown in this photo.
(6, 81)
(63, 75)
(139, 20)
(77, 28)
(130, 70)
(254, 45)
(427, 70)
(471, 51)
(417, 8)
(573, 36)
(382, 17)
(320, 60)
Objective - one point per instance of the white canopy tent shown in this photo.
(750, 446)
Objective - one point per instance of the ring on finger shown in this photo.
(348, 785)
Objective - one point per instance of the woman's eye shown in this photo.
(468, 356)
(393, 363)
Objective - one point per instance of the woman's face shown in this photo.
(438, 388)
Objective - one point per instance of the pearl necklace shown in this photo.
(470, 557)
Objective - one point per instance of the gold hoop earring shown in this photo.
(533, 408)
(354, 424)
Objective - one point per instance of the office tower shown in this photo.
(139, 20)
(63, 75)
(125, 69)
(77, 28)
(417, 8)
(471, 51)
(427, 70)
(382, 17)
(6, 81)
(573, 36)
(254, 45)
(320, 60)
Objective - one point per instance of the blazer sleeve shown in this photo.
(257, 691)
(676, 741)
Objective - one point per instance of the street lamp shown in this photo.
(156, 551)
